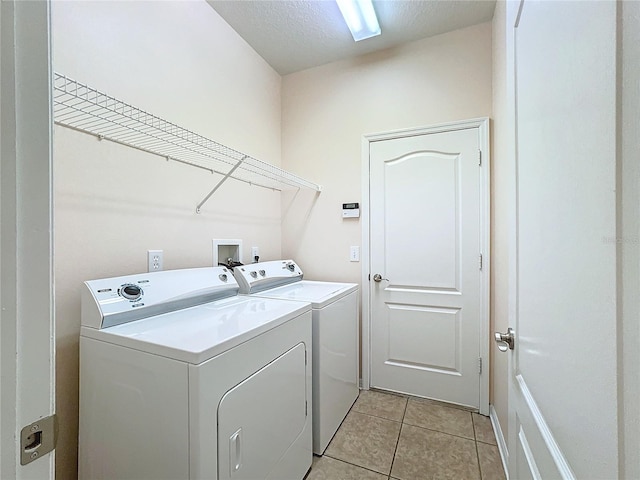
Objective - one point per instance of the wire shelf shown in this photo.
(88, 110)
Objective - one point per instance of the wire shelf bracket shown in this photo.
(85, 109)
(222, 180)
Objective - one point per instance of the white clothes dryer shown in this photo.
(335, 337)
(181, 378)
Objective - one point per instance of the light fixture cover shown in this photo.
(360, 18)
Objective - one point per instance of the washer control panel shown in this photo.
(256, 277)
(117, 300)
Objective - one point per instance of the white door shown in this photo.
(427, 311)
(563, 393)
(26, 284)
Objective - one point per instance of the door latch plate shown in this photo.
(38, 439)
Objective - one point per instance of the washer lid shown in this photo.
(319, 294)
(199, 333)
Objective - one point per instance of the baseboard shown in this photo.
(502, 443)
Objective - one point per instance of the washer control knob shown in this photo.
(131, 292)
(223, 277)
(291, 266)
(262, 273)
(254, 274)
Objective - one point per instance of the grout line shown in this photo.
(439, 431)
(440, 403)
(376, 416)
(353, 464)
(476, 443)
(487, 443)
(431, 401)
(406, 405)
(475, 436)
(395, 450)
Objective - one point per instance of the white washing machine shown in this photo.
(181, 378)
(335, 337)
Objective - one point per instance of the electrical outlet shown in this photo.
(354, 254)
(255, 253)
(155, 260)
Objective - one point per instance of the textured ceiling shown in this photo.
(293, 35)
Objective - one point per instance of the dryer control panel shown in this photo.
(257, 277)
(113, 301)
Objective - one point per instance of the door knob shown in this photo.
(378, 278)
(505, 341)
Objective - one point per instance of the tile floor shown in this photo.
(387, 436)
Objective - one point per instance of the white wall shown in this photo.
(326, 110)
(181, 61)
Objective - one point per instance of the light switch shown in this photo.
(354, 254)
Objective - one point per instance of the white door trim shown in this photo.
(483, 125)
(27, 332)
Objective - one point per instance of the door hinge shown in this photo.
(306, 408)
(305, 357)
(480, 261)
(38, 439)
(480, 157)
(480, 366)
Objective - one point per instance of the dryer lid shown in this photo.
(197, 334)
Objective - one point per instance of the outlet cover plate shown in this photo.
(155, 261)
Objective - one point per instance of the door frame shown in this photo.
(485, 216)
(27, 329)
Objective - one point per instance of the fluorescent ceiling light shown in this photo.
(360, 17)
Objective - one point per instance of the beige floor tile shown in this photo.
(490, 462)
(426, 454)
(366, 441)
(327, 468)
(379, 404)
(437, 417)
(483, 429)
